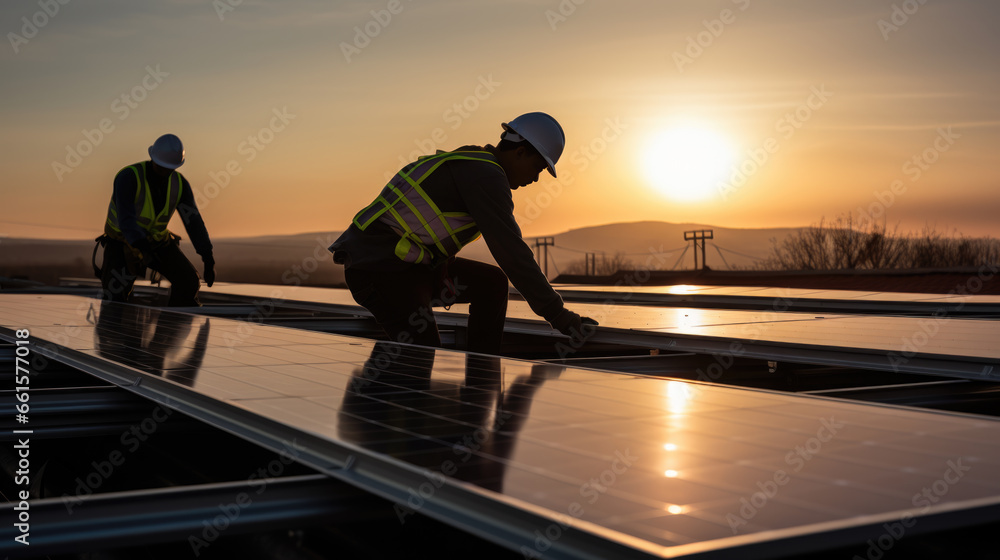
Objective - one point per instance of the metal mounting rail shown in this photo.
(112, 520)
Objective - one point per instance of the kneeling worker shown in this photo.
(399, 251)
(146, 194)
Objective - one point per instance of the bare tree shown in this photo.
(848, 245)
(603, 265)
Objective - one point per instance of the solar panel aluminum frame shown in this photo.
(500, 519)
(173, 514)
(794, 302)
(506, 521)
(920, 363)
(965, 367)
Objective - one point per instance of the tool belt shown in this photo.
(135, 260)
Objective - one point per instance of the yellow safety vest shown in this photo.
(145, 211)
(426, 233)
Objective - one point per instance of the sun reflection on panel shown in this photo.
(688, 320)
(678, 395)
(681, 289)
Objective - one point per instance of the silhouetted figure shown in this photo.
(142, 338)
(146, 195)
(466, 430)
(399, 251)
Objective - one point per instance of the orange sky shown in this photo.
(881, 106)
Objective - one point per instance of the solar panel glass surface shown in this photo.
(651, 462)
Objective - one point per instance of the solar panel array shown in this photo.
(661, 466)
(898, 337)
(968, 295)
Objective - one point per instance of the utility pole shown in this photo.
(696, 236)
(543, 244)
(590, 264)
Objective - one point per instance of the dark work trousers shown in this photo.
(118, 273)
(401, 301)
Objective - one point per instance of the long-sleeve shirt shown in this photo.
(124, 193)
(480, 189)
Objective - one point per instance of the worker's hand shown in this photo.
(209, 270)
(573, 325)
(145, 249)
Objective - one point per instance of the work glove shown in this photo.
(572, 324)
(145, 249)
(209, 270)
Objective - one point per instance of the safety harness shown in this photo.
(426, 233)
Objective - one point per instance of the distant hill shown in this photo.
(275, 259)
(302, 258)
(661, 244)
(656, 245)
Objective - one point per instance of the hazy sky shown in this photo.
(293, 113)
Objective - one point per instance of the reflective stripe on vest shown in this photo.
(154, 224)
(426, 233)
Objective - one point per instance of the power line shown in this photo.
(216, 242)
(570, 250)
(698, 237)
(738, 253)
(723, 257)
(543, 244)
(47, 226)
(686, 247)
(563, 247)
(268, 245)
(554, 265)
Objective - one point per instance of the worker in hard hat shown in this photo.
(146, 195)
(399, 251)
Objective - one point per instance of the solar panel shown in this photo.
(939, 335)
(938, 344)
(968, 296)
(546, 459)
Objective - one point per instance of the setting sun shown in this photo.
(686, 162)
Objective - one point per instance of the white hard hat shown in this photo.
(542, 132)
(167, 151)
